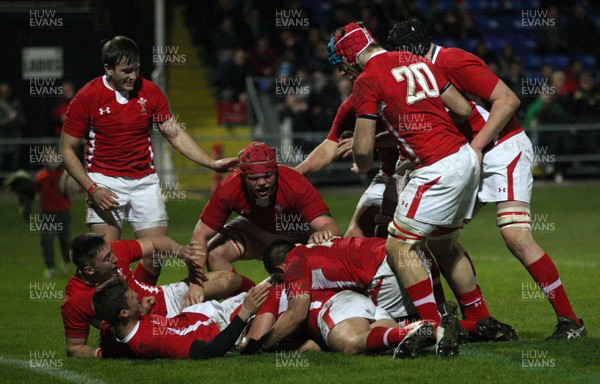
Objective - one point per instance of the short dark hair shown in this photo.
(275, 254)
(85, 247)
(109, 299)
(120, 49)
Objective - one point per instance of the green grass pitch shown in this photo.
(565, 224)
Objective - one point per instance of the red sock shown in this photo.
(246, 285)
(469, 326)
(421, 295)
(438, 289)
(142, 275)
(546, 276)
(384, 338)
(472, 305)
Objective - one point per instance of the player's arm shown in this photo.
(458, 107)
(364, 141)
(183, 143)
(102, 196)
(200, 237)
(79, 348)
(319, 158)
(289, 321)
(226, 339)
(325, 228)
(504, 105)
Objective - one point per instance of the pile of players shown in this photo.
(442, 157)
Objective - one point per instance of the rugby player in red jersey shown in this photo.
(506, 177)
(98, 260)
(115, 114)
(201, 331)
(273, 202)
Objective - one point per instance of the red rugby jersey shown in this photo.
(117, 129)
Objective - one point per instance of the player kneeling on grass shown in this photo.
(201, 331)
(98, 261)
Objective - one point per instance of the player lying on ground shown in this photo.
(273, 201)
(343, 320)
(97, 261)
(507, 177)
(201, 331)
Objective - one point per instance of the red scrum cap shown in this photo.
(351, 40)
(257, 158)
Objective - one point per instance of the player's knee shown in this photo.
(514, 217)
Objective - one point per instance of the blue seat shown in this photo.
(558, 62)
(587, 61)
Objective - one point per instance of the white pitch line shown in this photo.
(61, 374)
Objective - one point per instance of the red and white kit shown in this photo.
(404, 90)
(507, 166)
(119, 154)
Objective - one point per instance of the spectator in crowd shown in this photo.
(585, 101)
(12, 121)
(55, 209)
(506, 58)
(263, 58)
(572, 74)
(551, 40)
(232, 78)
(60, 110)
(579, 29)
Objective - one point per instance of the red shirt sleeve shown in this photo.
(271, 305)
(127, 251)
(470, 74)
(366, 96)
(344, 120)
(218, 208)
(301, 193)
(40, 178)
(77, 314)
(161, 111)
(77, 118)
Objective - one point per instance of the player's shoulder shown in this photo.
(232, 183)
(78, 291)
(289, 178)
(456, 58)
(90, 90)
(148, 86)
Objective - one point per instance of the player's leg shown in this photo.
(47, 244)
(363, 223)
(514, 222)
(221, 284)
(64, 237)
(109, 222)
(508, 181)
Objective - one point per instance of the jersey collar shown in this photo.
(121, 96)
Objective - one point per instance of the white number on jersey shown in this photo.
(416, 70)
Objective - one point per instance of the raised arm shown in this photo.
(289, 321)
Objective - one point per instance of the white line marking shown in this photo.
(61, 374)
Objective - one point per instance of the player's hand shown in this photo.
(147, 304)
(320, 237)
(194, 256)
(256, 296)
(194, 295)
(103, 198)
(225, 165)
(344, 148)
(251, 347)
(479, 154)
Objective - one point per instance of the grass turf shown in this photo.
(32, 343)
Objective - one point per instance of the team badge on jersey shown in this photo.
(142, 102)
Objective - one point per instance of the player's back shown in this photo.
(404, 89)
